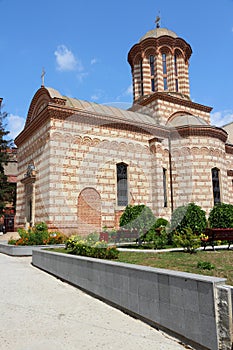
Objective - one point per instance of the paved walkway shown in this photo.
(39, 312)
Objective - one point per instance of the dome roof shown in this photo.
(187, 119)
(157, 32)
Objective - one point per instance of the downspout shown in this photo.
(170, 172)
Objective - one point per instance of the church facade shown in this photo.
(80, 163)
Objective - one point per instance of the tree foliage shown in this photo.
(189, 216)
(7, 191)
(221, 216)
(139, 217)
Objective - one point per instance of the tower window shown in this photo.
(164, 57)
(164, 60)
(141, 73)
(216, 185)
(152, 84)
(152, 65)
(175, 65)
(122, 184)
(176, 73)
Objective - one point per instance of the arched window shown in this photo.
(176, 73)
(152, 65)
(216, 185)
(164, 59)
(164, 56)
(122, 184)
(141, 76)
(152, 72)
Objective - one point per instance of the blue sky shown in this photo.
(83, 46)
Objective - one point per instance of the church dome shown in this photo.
(157, 32)
(186, 119)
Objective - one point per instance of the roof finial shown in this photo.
(42, 76)
(157, 21)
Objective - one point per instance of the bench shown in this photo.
(218, 234)
(121, 236)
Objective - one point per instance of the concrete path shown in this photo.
(39, 312)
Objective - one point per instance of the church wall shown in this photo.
(229, 166)
(192, 160)
(165, 110)
(34, 151)
(160, 161)
(84, 156)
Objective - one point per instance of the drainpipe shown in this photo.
(170, 172)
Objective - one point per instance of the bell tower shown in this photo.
(159, 63)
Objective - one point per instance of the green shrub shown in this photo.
(161, 222)
(189, 216)
(157, 238)
(205, 265)
(38, 235)
(221, 216)
(138, 217)
(85, 247)
(187, 240)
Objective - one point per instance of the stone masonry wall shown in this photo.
(84, 156)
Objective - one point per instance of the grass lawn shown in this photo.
(221, 259)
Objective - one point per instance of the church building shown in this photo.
(80, 163)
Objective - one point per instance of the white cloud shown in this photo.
(97, 95)
(15, 125)
(81, 76)
(222, 118)
(94, 61)
(129, 90)
(66, 61)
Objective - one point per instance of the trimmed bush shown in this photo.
(221, 216)
(189, 216)
(187, 239)
(86, 247)
(38, 235)
(137, 217)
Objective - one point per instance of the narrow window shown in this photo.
(176, 73)
(216, 185)
(175, 65)
(164, 187)
(165, 83)
(122, 185)
(141, 72)
(164, 56)
(152, 65)
(152, 84)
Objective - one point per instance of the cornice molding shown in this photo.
(203, 131)
(229, 148)
(164, 96)
(157, 43)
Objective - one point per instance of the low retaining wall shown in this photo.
(20, 250)
(193, 307)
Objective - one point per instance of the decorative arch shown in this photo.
(177, 114)
(179, 53)
(41, 99)
(165, 49)
(89, 211)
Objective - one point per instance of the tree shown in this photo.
(138, 217)
(7, 191)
